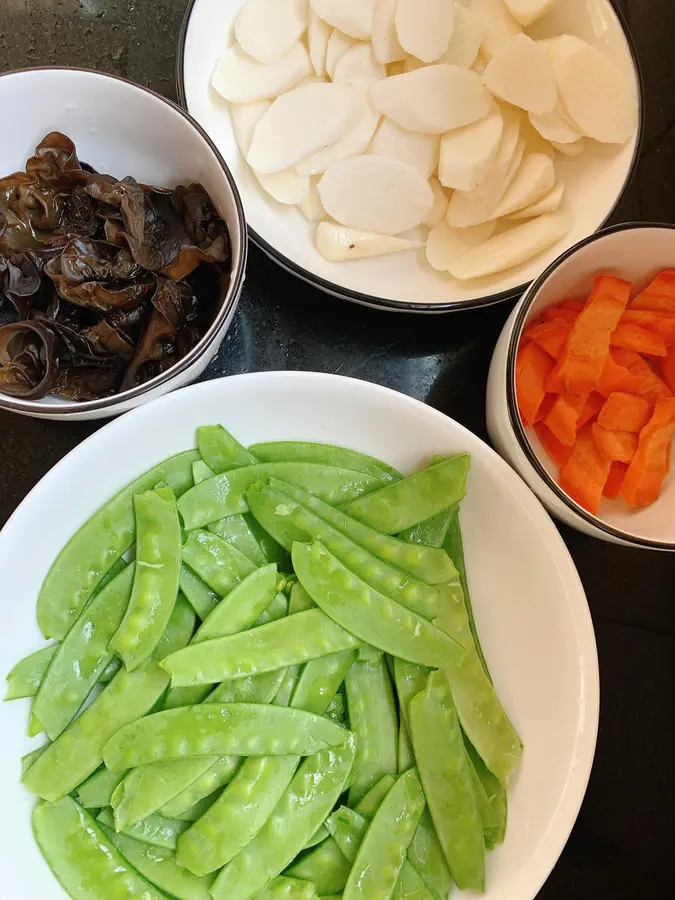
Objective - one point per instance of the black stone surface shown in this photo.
(622, 844)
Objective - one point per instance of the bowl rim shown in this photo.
(382, 303)
(49, 410)
(512, 404)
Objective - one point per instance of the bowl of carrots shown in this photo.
(581, 393)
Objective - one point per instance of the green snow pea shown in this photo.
(288, 889)
(159, 867)
(34, 726)
(110, 671)
(199, 595)
(254, 689)
(223, 495)
(410, 886)
(319, 836)
(375, 797)
(288, 642)
(427, 564)
(495, 792)
(337, 710)
(373, 718)
(300, 600)
(216, 562)
(370, 654)
(425, 855)
(220, 450)
(78, 752)
(406, 756)
(236, 531)
(403, 504)
(156, 577)
(202, 788)
(84, 860)
(410, 681)
(289, 521)
(97, 546)
(156, 830)
(112, 573)
(186, 696)
(432, 532)
(288, 686)
(446, 775)
(486, 814)
(320, 681)
(242, 606)
(196, 810)
(28, 760)
(367, 613)
(311, 795)
(382, 853)
(97, 791)
(26, 676)
(325, 454)
(242, 729)
(201, 472)
(82, 656)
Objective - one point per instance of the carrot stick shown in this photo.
(545, 407)
(558, 452)
(659, 294)
(615, 378)
(644, 478)
(533, 366)
(564, 415)
(557, 312)
(625, 412)
(551, 336)
(668, 369)
(661, 323)
(647, 383)
(585, 474)
(593, 406)
(587, 349)
(576, 305)
(614, 480)
(616, 446)
(633, 337)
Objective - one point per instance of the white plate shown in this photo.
(594, 182)
(530, 606)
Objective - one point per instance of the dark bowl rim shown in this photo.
(382, 303)
(63, 408)
(512, 405)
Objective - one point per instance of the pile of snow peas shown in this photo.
(265, 680)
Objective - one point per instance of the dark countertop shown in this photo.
(622, 842)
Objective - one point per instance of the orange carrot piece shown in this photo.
(614, 480)
(625, 412)
(647, 383)
(633, 337)
(554, 382)
(585, 474)
(593, 406)
(644, 478)
(616, 446)
(659, 294)
(564, 416)
(575, 305)
(545, 407)
(661, 323)
(587, 349)
(557, 312)
(533, 366)
(616, 378)
(667, 366)
(558, 452)
(551, 336)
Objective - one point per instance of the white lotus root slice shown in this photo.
(466, 39)
(301, 123)
(433, 100)
(420, 151)
(468, 153)
(424, 27)
(528, 11)
(523, 75)
(445, 245)
(373, 193)
(534, 179)
(598, 97)
(241, 79)
(359, 65)
(268, 29)
(549, 204)
(499, 25)
(353, 17)
(318, 35)
(339, 244)
(386, 46)
(438, 211)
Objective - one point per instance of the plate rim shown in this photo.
(400, 306)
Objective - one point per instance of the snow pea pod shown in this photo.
(382, 853)
(215, 777)
(373, 718)
(428, 564)
(320, 681)
(78, 752)
(159, 867)
(403, 504)
(495, 792)
(410, 680)
(242, 606)
(325, 454)
(28, 760)
(311, 795)
(220, 450)
(425, 855)
(241, 729)
(410, 886)
(300, 600)
(337, 710)
(432, 532)
(97, 546)
(97, 791)
(156, 577)
(84, 860)
(288, 642)
(199, 595)
(288, 889)
(82, 656)
(367, 613)
(236, 531)
(285, 518)
(198, 809)
(201, 472)
(486, 814)
(223, 495)
(26, 676)
(445, 772)
(110, 671)
(155, 830)
(406, 756)
(216, 562)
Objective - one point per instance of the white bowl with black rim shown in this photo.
(123, 129)
(636, 252)
(404, 282)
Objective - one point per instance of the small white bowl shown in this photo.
(404, 282)
(122, 129)
(636, 252)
